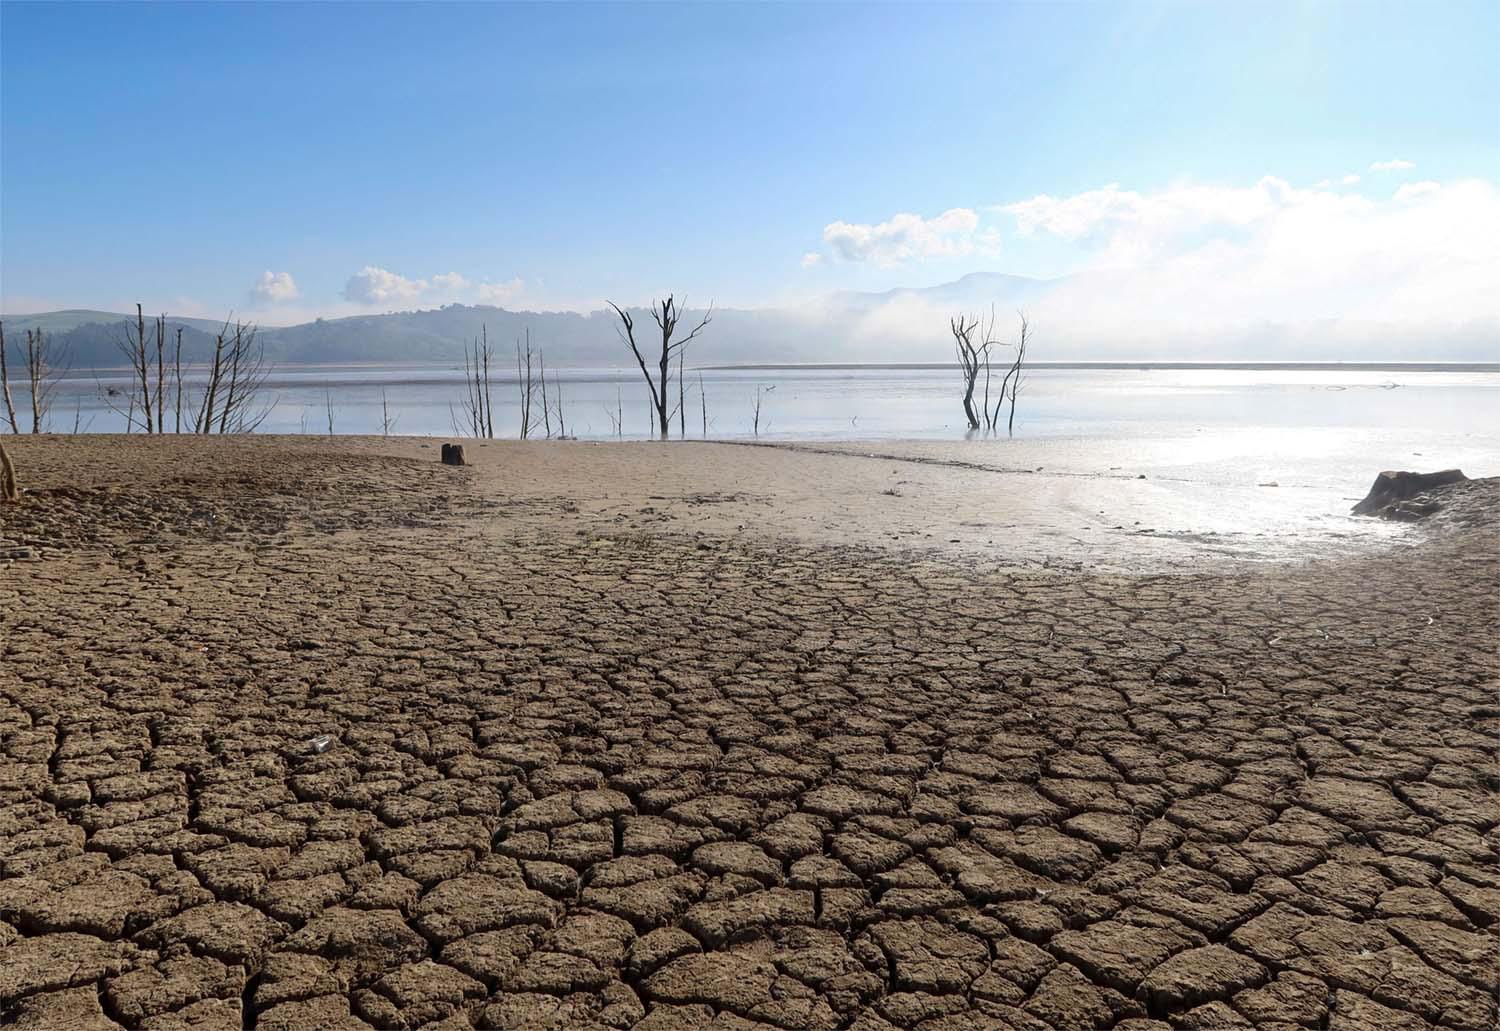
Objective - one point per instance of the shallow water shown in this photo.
(1264, 423)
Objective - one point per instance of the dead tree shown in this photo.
(42, 373)
(1011, 384)
(666, 314)
(476, 416)
(562, 426)
(10, 491)
(525, 384)
(230, 402)
(546, 404)
(973, 355)
(387, 423)
(177, 376)
(755, 422)
(136, 348)
(616, 417)
(10, 406)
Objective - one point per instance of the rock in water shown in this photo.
(453, 454)
(1392, 488)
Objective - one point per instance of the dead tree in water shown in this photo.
(972, 357)
(40, 377)
(1011, 384)
(476, 417)
(10, 406)
(144, 396)
(975, 343)
(230, 401)
(666, 314)
(755, 421)
(524, 383)
(387, 423)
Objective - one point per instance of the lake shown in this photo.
(1319, 416)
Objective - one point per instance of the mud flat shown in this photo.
(726, 737)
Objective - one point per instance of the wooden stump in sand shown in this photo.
(453, 454)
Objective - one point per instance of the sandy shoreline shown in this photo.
(651, 737)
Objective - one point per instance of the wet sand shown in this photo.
(633, 736)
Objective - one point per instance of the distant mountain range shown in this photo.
(893, 326)
(825, 330)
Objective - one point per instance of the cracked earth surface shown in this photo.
(587, 776)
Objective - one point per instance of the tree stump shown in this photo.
(453, 454)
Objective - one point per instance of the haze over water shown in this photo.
(1324, 418)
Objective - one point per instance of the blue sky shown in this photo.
(286, 160)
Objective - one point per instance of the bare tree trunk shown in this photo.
(681, 401)
(161, 376)
(489, 408)
(10, 406)
(143, 365)
(328, 403)
(177, 375)
(33, 369)
(204, 422)
(546, 404)
(703, 400)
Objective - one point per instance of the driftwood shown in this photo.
(453, 454)
(10, 491)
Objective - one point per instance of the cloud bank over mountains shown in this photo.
(1410, 273)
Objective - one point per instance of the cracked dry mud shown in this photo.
(585, 776)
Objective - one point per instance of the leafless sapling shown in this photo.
(476, 417)
(1011, 384)
(43, 370)
(755, 422)
(10, 406)
(666, 314)
(387, 422)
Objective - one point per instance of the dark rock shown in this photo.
(453, 454)
(1391, 489)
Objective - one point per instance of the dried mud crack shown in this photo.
(586, 777)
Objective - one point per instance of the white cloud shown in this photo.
(1411, 191)
(499, 293)
(1392, 166)
(374, 286)
(812, 259)
(907, 237)
(274, 288)
(1217, 261)
(1350, 179)
(1123, 228)
(449, 283)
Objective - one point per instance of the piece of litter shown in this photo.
(321, 744)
